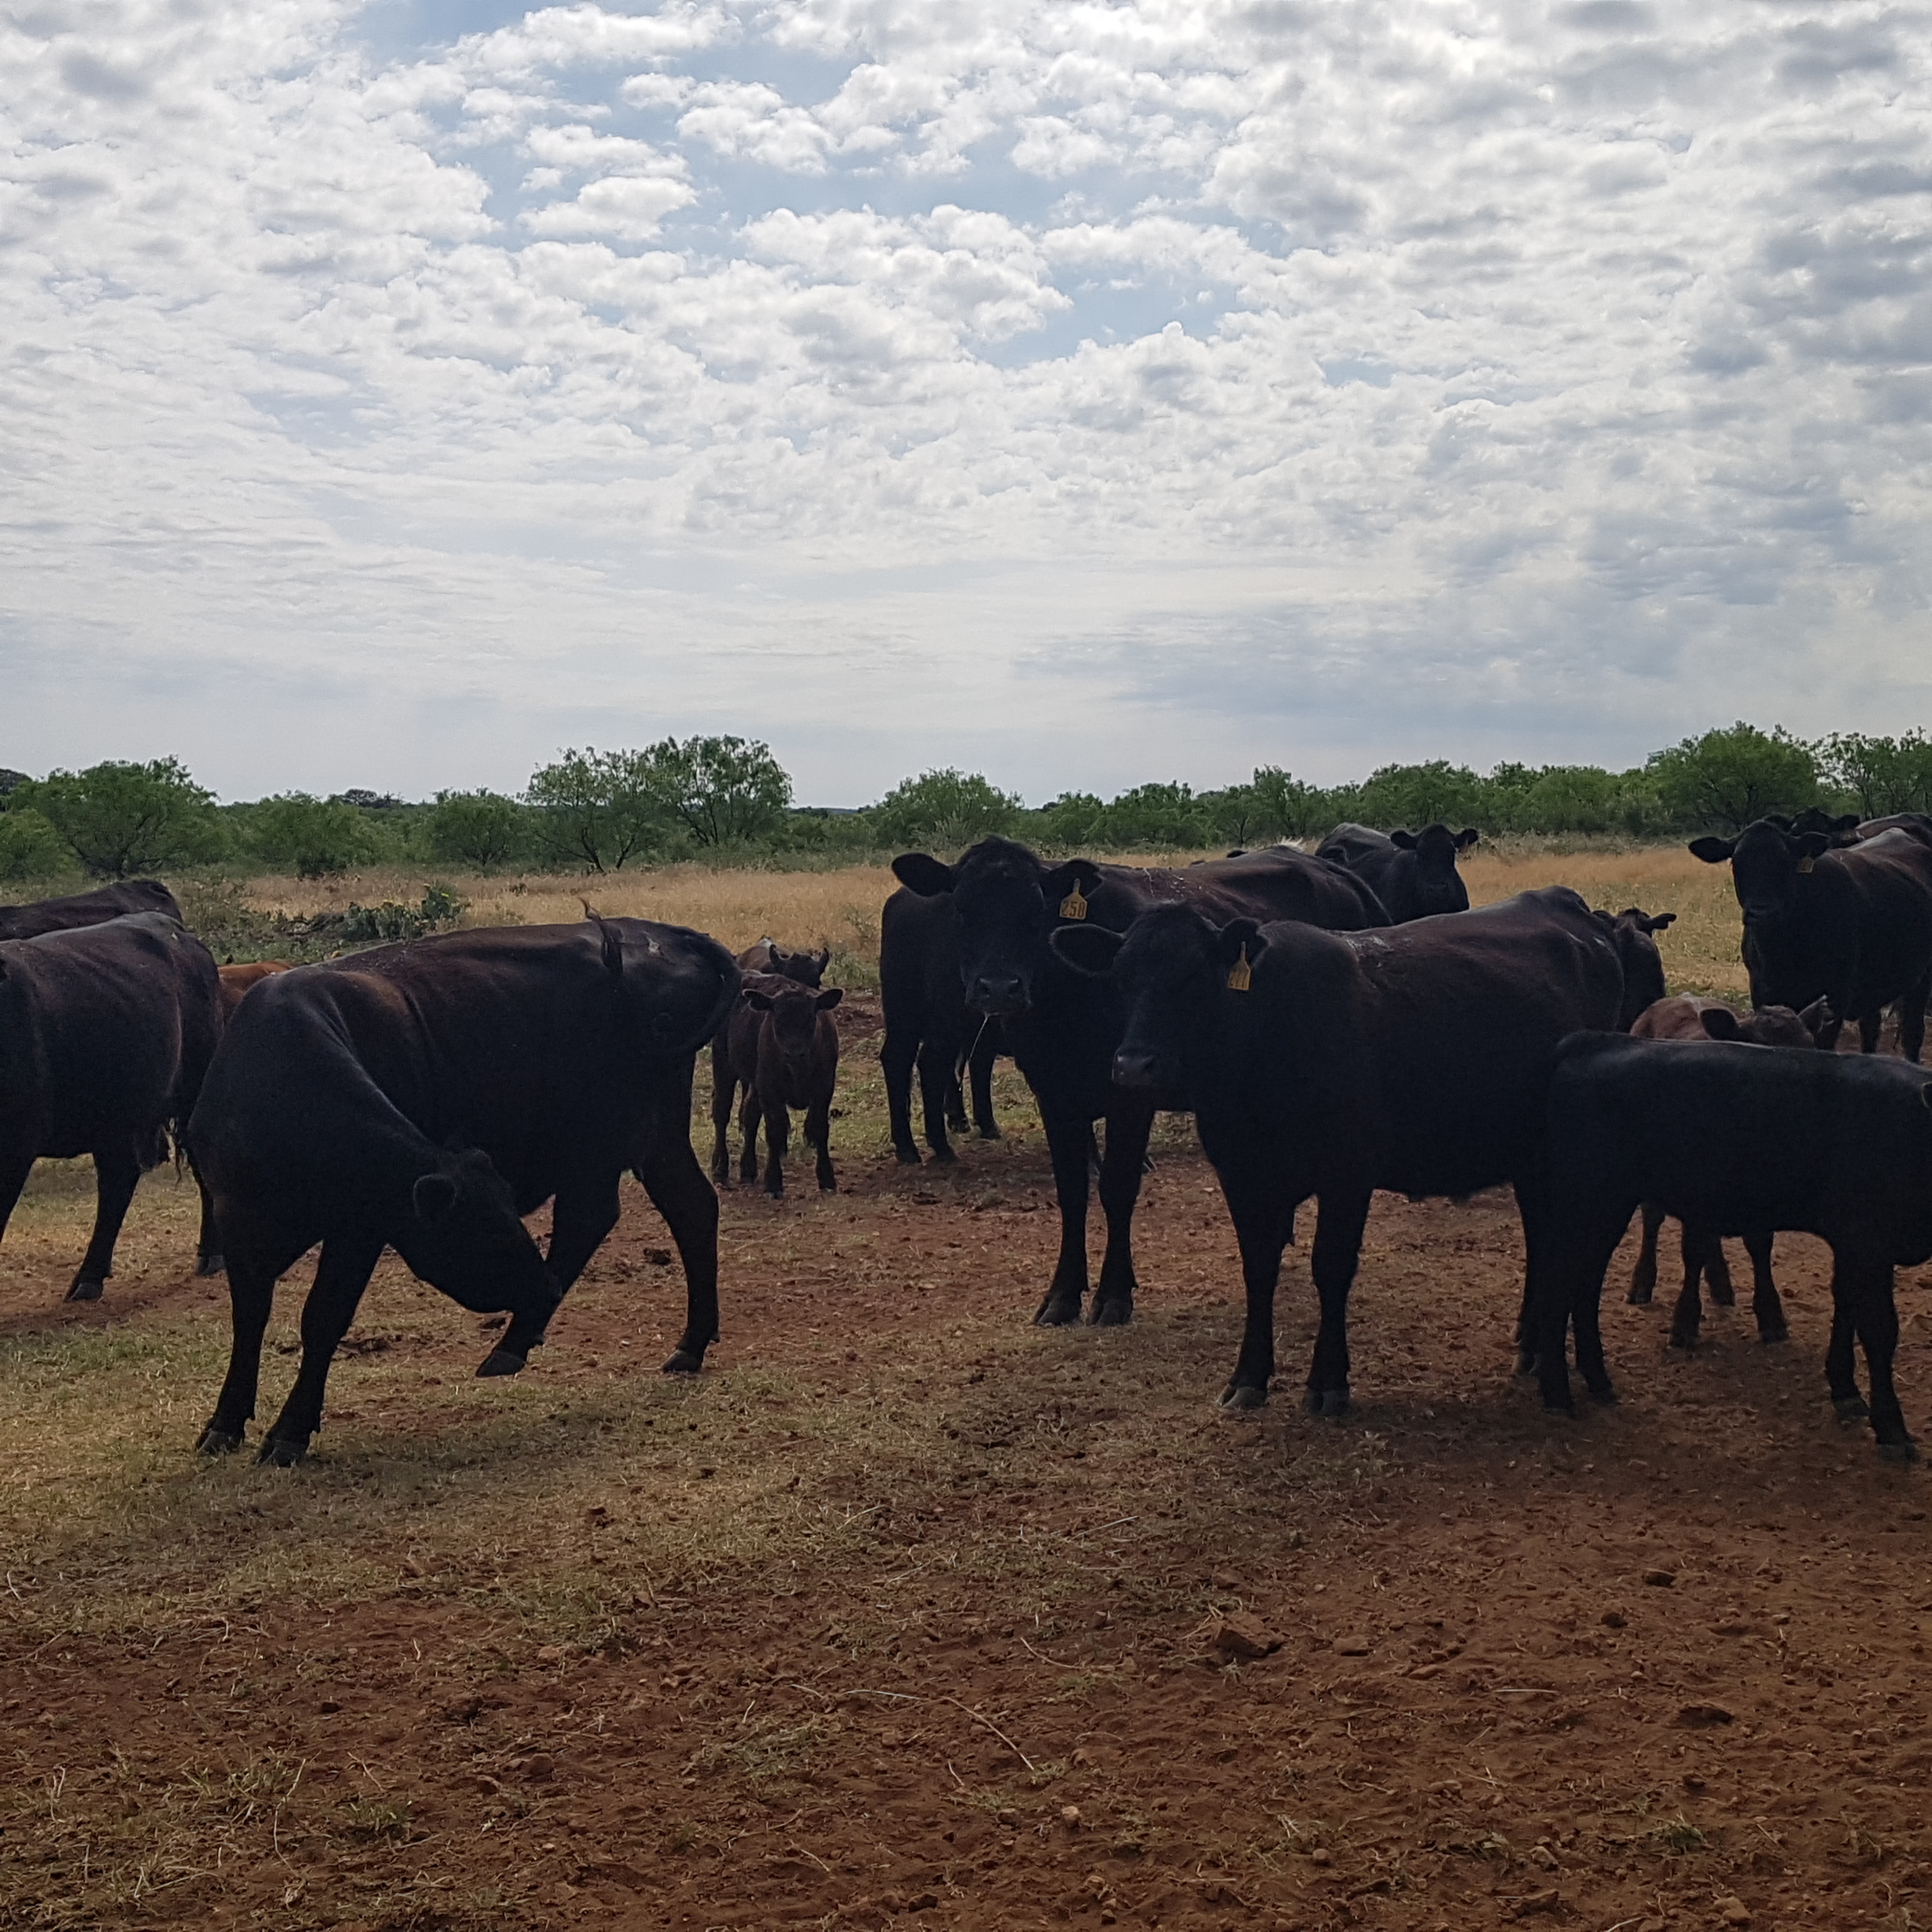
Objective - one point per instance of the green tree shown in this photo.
(1726, 779)
(477, 828)
(1416, 795)
(1073, 821)
(722, 790)
(1882, 775)
(1157, 816)
(29, 846)
(316, 837)
(1285, 807)
(119, 819)
(597, 808)
(947, 807)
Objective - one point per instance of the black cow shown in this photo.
(1336, 1063)
(928, 1024)
(428, 1095)
(1632, 932)
(1413, 874)
(1686, 1017)
(761, 956)
(1061, 1028)
(1854, 926)
(1847, 828)
(784, 1045)
(1733, 1139)
(88, 909)
(105, 1034)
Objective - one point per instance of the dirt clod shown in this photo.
(1660, 1578)
(1240, 1636)
(1704, 1714)
(1734, 1912)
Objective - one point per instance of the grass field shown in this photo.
(908, 1613)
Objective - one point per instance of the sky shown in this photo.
(392, 395)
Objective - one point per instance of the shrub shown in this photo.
(720, 791)
(948, 809)
(29, 847)
(316, 837)
(1882, 775)
(597, 808)
(477, 828)
(120, 818)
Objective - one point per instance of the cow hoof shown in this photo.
(1773, 1334)
(1723, 1297)
(684, 1362)
(1335, 1402)
(219, 1441)
(1849, 1408)
(1900, 1452)
(278, 1452)
(1527, 1361)
(945, 1155)
(1686, 1343)
(85, 1291)
(1243, 1396)
(1111, 1315)
(211, 1263)
(774, 1193)
(1056, 1313)
(991, 1133)
(1605, 1396)
(907, 1156)
(1637, 1298)
(501, 1361)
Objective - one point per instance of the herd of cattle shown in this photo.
(1337, 1023)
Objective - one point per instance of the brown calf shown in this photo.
(782, 1044)
(1685, 1017)
(236, 980)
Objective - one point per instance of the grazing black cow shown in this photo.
(1336, 1063)
(428, 1095)
(782, 1044)
(1847, 828)
(1062, 1027)
(1686, 1017)
(761, 956)
(1852, 925)
(1632, 932)
(1733, 1139)
(1413, 874)
(105, 1034)
(926, 1024)
(86, 908)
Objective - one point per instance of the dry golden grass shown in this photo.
(840, 909)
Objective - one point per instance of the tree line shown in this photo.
(726, 797)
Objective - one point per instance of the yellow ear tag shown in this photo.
(1806, 863)
(1073, 906)
(1241, 974)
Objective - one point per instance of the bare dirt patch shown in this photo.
(908, 1613)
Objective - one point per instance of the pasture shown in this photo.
(906, 1613)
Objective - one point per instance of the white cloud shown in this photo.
(1238, 378)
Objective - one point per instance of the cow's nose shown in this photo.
(1132, 1067)
(995, 993)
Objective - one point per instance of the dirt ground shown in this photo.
(908, 1613)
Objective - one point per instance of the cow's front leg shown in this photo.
(1069, 1142)
(1765, 1302)
(1129, 1122)
(1263, 1218)
(580, 1216)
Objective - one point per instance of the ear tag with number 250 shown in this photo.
(1241, 974)
(1073, 906)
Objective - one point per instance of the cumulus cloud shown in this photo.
(1239, 377)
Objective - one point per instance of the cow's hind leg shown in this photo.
(208, 1242)
(1643, 1277)
(14, 1169)
(1874, 1312)
(251, 1301)
(896, 1060)
(341, 1273)
(819, 1138)
(1869, 1024)
(1339, 1222)
(723, 1091)
(1688, 1317)
(679, 1192)
(1912, 1013)
(1717, 1274)
(1766, 1305)
(1841, 1364)
(1129, 1125)
(116, 1175)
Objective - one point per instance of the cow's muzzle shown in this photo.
(997, 995)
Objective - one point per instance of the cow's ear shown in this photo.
(1466, 837)
(1240, 937)
(921, 873)
(1074, 880)
(1713, 850)
(1813, 845)
(1406, 840)
(1721, 1023)
(751, 996)
(823, 957)
(1658, 920)
(1845, 822)
(433, 1198)
(1088, 950)
(830, 998)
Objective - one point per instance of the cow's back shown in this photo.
(1277, 883)
(88, 909)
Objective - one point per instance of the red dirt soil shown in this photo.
(1661, 1666)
